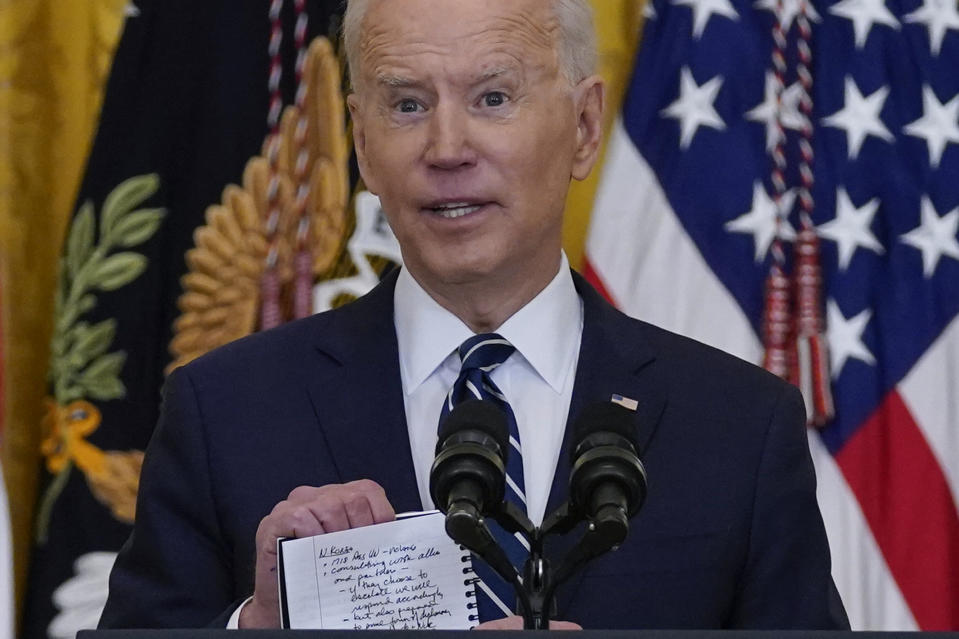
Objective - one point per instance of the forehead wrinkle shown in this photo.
(394, 80)
(513, 35)
(380, 50)
(538, 34)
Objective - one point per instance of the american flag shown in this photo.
(685, 222)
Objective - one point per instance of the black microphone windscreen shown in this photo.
(477, 414)
(605, 417)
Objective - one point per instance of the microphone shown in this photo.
(468, 483)
(607, 483)
(468, 477)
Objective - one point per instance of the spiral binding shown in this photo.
(472, 581)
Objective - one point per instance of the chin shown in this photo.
(461, 269)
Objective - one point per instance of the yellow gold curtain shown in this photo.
(54, 58)
(617, 24)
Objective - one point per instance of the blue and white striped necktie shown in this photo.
(481, 355)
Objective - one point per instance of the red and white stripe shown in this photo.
(271, 314)
(889, 498)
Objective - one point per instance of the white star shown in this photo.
(703, 11)
(859, 117)
(373, 237)
(791, 9)
(765, 112)
(938, 125)
(938, 16)
(850, 228)
(694, 106)
(935, 236)
(864, 13)
(761, 220)
(649, 10)
(845, 337)
(131, 10)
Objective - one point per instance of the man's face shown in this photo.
(469, 133)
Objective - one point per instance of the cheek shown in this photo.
(390, 159)
(549, 146)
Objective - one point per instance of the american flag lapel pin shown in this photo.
(625, 402)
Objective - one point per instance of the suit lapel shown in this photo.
(357, 396)
(614, 358)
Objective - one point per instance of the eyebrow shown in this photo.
(395, 81)
(495, 72)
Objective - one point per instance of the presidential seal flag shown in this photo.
(215, 196)
(781, 183)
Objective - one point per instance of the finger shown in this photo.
(564, 625)
(292, 520)
(516, 623)
(295, 517)
(305, 523)
(331, 513)
(506, 623)
(379, 505)
(358, 511)
(306, 494)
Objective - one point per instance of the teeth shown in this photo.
(452, 211)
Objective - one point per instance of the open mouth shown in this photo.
(455, 210)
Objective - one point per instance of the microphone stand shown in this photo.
(534, 588)
(597, 540)
(535, 592)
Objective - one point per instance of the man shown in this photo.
(470, 119)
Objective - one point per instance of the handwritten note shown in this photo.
(405, 574)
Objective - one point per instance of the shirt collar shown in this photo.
(545, 332)
(426, 333)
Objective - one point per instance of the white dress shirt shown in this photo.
(537, 379)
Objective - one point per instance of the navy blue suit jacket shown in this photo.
(730, 535)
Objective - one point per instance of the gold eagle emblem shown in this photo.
(221, 292)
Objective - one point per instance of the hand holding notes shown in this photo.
(401, 575)
(306, 512)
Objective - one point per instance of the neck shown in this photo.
(485, 303)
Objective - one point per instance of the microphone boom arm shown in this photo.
(466, 526)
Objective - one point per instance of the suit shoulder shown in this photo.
(688, 366)
(265, 353)
(714, 375)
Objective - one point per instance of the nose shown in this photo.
(449, 145)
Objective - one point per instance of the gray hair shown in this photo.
(577, 45)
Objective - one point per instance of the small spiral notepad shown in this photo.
(401, 575)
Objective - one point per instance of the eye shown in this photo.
(407, 105)
(494, 99)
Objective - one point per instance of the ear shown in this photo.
(358, 117)
(590, 102)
